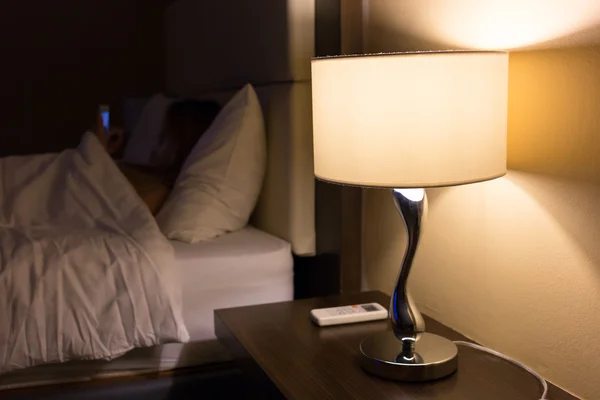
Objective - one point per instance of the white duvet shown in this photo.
(84, 270)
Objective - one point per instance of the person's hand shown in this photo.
(115, 141)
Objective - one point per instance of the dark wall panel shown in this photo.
(60, 59)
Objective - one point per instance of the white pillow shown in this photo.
(145, 138)
(219, 184)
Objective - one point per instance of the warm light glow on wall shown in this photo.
(523, 248)
(492, 24)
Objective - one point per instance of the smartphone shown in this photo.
(105, 114)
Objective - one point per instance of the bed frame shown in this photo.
(222, 380)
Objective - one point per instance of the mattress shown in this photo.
(237, 269)
(241, 268)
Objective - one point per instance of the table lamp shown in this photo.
(410, 121)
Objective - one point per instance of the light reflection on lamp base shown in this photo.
(434, 357)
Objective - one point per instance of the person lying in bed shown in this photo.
(184, 124)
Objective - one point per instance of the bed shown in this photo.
(241, 268)
(253, 265)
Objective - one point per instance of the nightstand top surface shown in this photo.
(305, 361)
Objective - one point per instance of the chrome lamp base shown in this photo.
(406, 352)
(433, 357)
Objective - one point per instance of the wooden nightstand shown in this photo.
(284, 355)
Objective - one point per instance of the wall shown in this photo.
(245, 48)
(512, 263)
(62, 58)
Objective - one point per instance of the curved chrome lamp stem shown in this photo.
(407, 321)
(407, 352)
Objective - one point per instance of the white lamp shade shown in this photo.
(410, 119)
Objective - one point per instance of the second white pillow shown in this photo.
(145, 138)
(220, 182)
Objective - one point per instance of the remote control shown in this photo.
(348, 314)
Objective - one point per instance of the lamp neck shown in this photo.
(406, 318)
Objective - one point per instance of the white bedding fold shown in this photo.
(84, 270)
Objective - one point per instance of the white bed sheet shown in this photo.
(240, 268)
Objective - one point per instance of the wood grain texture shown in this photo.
(351, 16)
(351, 26)
(351, 240)
(278, 343)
